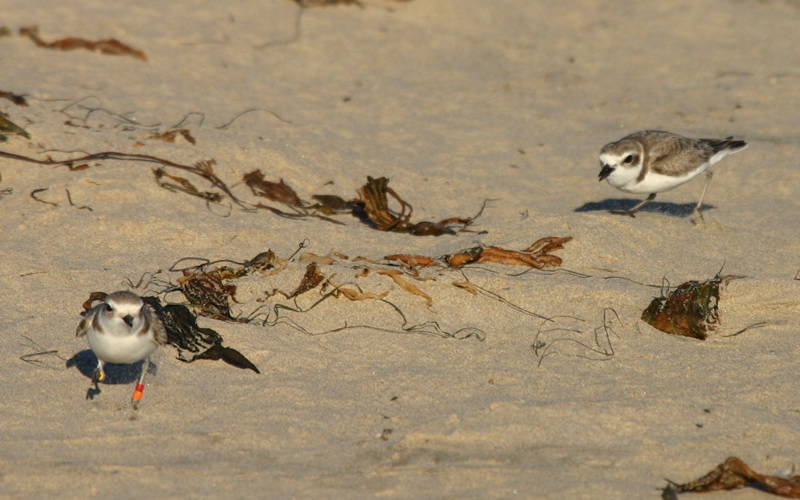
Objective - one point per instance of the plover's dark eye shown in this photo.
(628, 159)
(108, 307)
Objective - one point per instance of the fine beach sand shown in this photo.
(457, 102)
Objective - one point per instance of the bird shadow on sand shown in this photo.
(660, 207)
(85, 361)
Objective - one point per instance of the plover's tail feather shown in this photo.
(727, 144)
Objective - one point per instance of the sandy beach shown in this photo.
(497, 381)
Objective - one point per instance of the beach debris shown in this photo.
(184, 334)
(573, 337)
(733, 474)
(41, 190)
(397, 277)
(183, 185)
(691, 310)
(108, 46)
(172, 135)
(275, 191)
(281, 192)
(201, 168)
(372, 205)
(7, 127)
(536, 255)
(374, 202)
(413, 261)
(208, 293)
(327, 3)
(15, 98)
(312, 278)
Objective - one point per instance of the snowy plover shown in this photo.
(652, 161)
(122, 329)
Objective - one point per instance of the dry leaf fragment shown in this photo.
(17, 99)
(329, 203)
(208, 293)
(172, 135)
(351, 294)
(734, 474)
(275, 191)
(325, 3)
(108, 46)
(536, 255)
(182, 185)
(467, 285)
(412, 261)
(397, 276)
(691, 310)
(547, 244)
(11, 128)
(374, 201)
(311, 279)
(324, 260)
(465, 257)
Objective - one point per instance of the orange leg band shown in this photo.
(137, 394)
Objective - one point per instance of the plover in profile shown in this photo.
(122, 329)
(652, 161)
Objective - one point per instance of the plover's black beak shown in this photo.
(606, 172)
(128, 320)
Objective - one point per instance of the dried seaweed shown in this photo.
(374, 202)
(184, 334)
(17, 99)
(172, 135)
(281, 192)
(109, 46)
(275, 191)
(79, 207)
(327, 3)
(691, 310)
(40, 190)
(10, 128)
(202, 168)
(405, 285)
(184, 186)
(734, 474)
(413, 261)
(600, 348)
(536, 256)
(208, 293)
(41, 355)
(311, 280)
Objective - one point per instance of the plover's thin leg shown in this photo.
(636, 208)
(699, 206)
(99, 373)
(137, 393)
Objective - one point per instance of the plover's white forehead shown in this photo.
(125, 302)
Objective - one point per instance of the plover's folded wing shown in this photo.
(679, 156)
(159, 332)
(87, 320)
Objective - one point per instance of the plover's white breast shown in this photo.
(122, 349)
(657, 183)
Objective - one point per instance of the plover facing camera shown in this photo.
(123, 329)
(652, 161)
